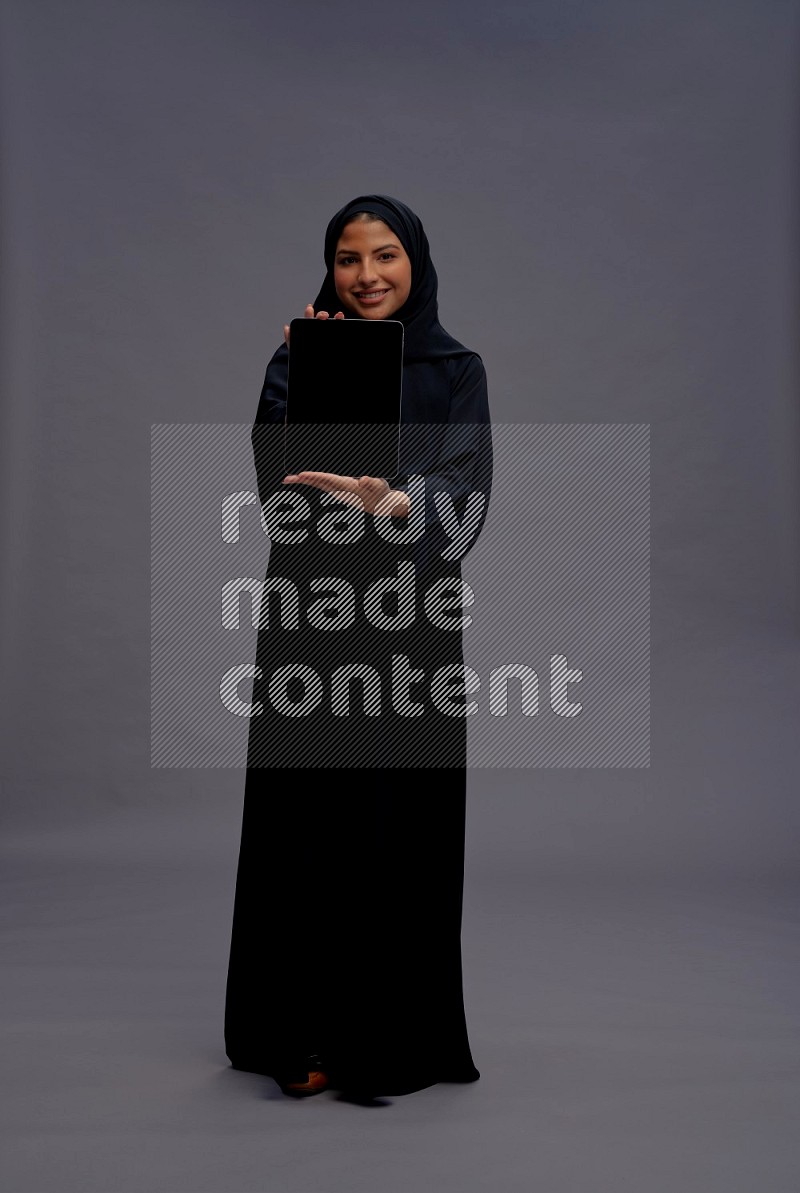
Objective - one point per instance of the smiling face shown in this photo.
(372, 270)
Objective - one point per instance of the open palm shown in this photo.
(370, 493)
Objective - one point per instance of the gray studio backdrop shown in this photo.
(608, 193)
(609, 189)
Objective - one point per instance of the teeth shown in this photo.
(370, 293)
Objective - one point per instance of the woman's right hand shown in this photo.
(310, 315)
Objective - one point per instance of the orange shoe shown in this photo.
(316, 1082)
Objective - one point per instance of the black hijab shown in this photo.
(424, 337)
(446, 434)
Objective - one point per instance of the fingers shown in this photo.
(375, 485)
(329, 482)
(343, 488)
(309, 314)
(371, 493)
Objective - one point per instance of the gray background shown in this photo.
(609, 190)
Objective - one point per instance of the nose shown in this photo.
(367, 273)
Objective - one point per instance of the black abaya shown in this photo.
(347, 914)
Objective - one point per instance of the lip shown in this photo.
(370, 302)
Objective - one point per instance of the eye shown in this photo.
(391, 256)
(346, 260)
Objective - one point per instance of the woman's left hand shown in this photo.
(370, 493)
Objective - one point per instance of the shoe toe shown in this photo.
(317, 1082)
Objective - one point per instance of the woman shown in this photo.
(345, 962)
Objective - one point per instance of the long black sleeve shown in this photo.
(268, 429)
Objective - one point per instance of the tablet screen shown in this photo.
(344, 396)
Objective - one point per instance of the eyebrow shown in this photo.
(353, 253)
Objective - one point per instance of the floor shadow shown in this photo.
(357, 1099)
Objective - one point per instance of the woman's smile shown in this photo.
(371, 297)
(372, 271)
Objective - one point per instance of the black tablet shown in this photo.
(344, 396)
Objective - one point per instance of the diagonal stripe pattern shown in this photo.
(557, 636)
